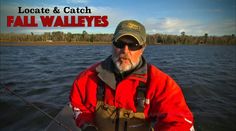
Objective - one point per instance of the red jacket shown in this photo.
(164, 99)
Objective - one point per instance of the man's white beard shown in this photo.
(121, 67)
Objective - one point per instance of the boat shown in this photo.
(64, 117)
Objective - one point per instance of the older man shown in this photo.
(125, 93)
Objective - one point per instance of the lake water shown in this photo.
(44, 74)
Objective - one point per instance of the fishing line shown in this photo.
(35, 107)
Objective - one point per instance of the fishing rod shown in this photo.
(35, 107)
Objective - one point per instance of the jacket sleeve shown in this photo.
(81, 99)
(169, 109)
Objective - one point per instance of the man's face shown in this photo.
(126, 53)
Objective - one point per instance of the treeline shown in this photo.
(189, 39)
(107, 38)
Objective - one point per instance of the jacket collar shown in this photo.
(106, 72)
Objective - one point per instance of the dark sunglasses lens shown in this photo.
(131, 47)
(119, 45)
(134, 47)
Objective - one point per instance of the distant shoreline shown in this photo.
(61, 38)
(45, 43)
(77, 43)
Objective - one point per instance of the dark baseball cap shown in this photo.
(131, 28)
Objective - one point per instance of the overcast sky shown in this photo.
(195, 17)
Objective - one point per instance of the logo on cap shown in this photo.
(133, 26)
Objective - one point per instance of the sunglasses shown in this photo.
(131, 46)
